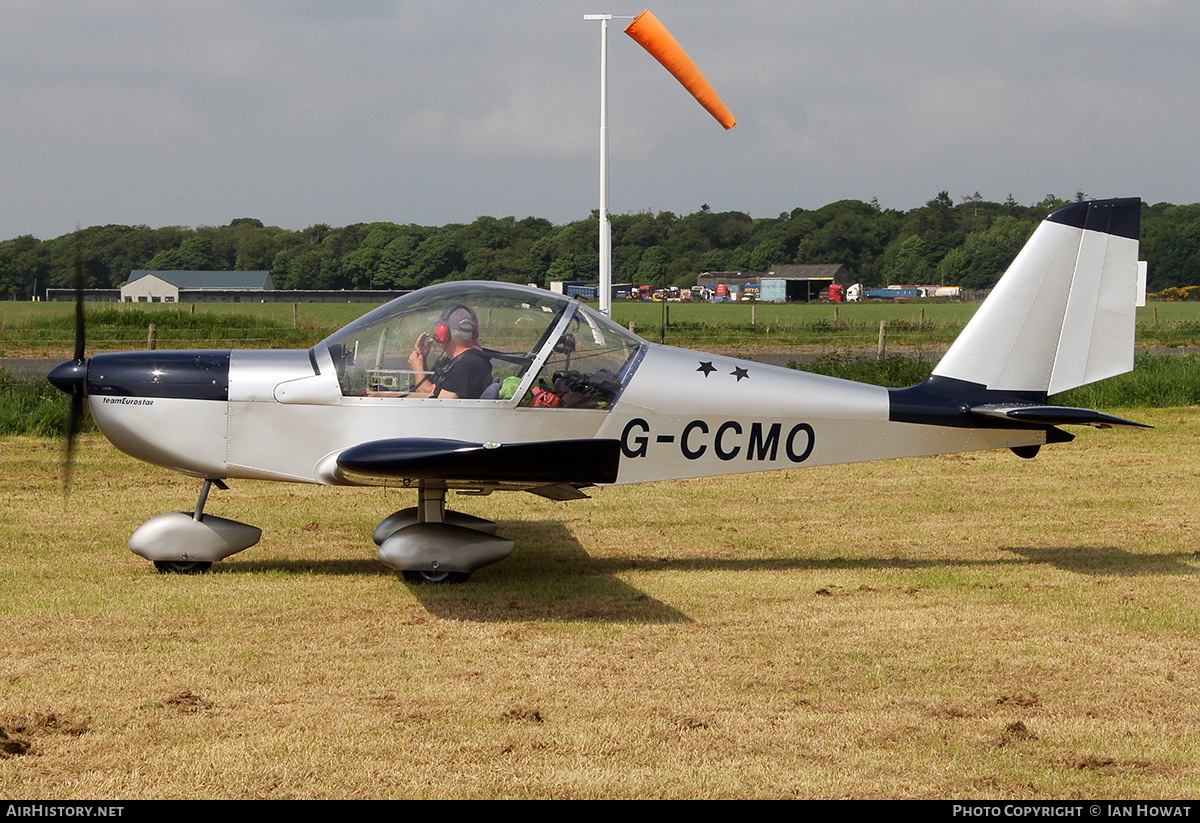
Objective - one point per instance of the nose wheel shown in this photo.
(189, 542)
(181, 567)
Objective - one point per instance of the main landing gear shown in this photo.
(428, 544)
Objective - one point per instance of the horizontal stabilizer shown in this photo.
(1055, 416)
(558, 491)
(576, 462)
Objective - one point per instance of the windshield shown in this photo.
(532, 339)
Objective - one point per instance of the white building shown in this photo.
(165, 286)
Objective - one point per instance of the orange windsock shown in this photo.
(654, 38)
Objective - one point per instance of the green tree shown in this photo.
(438, 258)
(652, 269)
(909, 265)
(397, 256)
(1171, 245)
(980, 261)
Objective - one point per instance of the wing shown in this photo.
(553, 468)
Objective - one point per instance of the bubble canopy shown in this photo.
(536, 336)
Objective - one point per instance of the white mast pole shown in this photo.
(605, 224)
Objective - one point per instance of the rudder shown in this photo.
(1063, 314)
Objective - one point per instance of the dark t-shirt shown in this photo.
(467, 375)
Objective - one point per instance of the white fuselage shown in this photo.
(681, 414)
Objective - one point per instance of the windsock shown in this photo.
(654, 38)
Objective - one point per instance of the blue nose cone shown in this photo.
(70, 377)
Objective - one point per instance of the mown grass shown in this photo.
(966, 626)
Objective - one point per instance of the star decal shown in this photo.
(739, 373)
(707, 368)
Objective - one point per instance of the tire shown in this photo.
(181, 566)
(435, 578)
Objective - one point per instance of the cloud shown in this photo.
(424, 111)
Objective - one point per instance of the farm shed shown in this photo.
(196, 286)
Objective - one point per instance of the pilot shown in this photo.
(465, 371)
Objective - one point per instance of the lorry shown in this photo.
(845, 294)
(892, 293)
(857, 292)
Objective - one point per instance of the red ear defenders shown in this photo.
(441, 332)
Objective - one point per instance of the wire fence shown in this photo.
(249, 337)
(831, 335)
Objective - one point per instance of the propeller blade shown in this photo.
(78, 386)
(73, 418)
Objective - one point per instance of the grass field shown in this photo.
(972, 626)
(47, 329)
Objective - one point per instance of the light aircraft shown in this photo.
(577, 401)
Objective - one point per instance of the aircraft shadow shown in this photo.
(1102, 560)
(550, 576)
(1108, 560)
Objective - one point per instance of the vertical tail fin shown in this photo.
(1063, 313)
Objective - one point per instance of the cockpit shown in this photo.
(544, 349)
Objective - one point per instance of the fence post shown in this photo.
(881, 351)
(152, 337)
(295, 315)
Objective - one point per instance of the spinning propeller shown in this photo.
(71, 376)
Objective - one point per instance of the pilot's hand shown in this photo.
(416, 358)
(423, 345)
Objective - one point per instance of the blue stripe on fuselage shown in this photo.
(189, 375)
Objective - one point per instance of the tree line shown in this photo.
(966, 243)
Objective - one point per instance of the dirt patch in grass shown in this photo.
(1016, 732)
(186, 702)
(12, 744)
(1019, 699)
(18, 733)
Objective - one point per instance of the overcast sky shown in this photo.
(431, 112)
